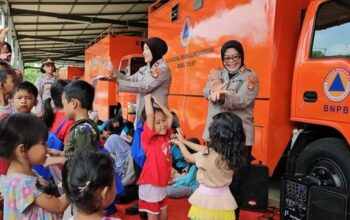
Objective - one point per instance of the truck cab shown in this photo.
(320, 95)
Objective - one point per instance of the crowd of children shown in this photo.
(90, 165)
(23, 143)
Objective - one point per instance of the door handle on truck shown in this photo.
(310, 96)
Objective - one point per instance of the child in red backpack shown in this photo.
(155, 174)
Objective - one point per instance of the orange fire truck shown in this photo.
(105, 53)
(71, 72)
(300, 51)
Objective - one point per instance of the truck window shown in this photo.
(332, 31)
(136, 63)
(123, 66)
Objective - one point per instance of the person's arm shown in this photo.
(193, 146)
(165, 110)
(186, 154)
(3, 33)
(56, 157)
(118, 75)
(50, 161)
(52, 203)
(149, 111)
(115, 74)
(147, 84)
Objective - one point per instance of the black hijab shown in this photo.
(157, 46)
(233, 44)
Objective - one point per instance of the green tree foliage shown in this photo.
(31, 72)
(318, 53)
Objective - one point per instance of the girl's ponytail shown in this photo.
(49, 115)
(82, 176)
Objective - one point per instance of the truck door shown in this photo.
(136, 63)
(322, 72)
(123, 66)
(129, 65)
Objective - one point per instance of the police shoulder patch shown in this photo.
(242, 69)
(156, 72)
(251, 82)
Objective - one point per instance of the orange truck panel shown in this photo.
(269, 35)
(71, 72)
(99, 59)
(318, 75)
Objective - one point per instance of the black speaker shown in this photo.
(328, 203)
(255, 190)
(294, 196)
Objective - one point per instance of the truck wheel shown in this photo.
(303, 140)
(327, 159)
(346, 2)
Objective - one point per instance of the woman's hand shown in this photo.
(215, 81)
(217, 96)
(55, 153)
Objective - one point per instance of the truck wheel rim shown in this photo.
(329, 173)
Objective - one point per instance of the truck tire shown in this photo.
(327, 159)
(303, 140)
(346, 2)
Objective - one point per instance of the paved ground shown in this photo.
(274, 191)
